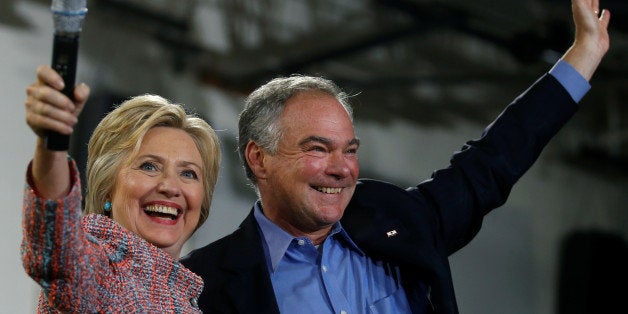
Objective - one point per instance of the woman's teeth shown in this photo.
(162, 210)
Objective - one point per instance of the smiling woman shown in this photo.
(159, 194)
(151, 173)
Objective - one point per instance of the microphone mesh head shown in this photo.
(68, 15)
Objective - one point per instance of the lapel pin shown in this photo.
(391, 233)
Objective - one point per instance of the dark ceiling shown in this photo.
(429, 62)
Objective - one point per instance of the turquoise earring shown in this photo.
(107, 207)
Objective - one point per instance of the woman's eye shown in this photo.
(148, 166)
(191, 174)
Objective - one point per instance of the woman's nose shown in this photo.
(169, 185)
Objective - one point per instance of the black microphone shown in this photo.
(68, 18)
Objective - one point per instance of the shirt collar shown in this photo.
(278, 240)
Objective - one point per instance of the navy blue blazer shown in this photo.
(429, 221)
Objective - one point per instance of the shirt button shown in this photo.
(324, 268)
(343, 312)
(194, 303)
(301, 241)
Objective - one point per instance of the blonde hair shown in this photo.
(117, 139)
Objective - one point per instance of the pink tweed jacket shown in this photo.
(87, 264)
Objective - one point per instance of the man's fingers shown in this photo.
(605, 18)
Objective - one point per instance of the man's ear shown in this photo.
(255, 158)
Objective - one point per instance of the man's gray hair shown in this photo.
(259, 121)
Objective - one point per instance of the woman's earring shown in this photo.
(107, 207)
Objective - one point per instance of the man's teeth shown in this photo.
(329, 190)
(162, 209)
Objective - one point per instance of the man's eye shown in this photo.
(191, 174)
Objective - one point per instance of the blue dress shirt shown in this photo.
(576, 85)
(336, 276)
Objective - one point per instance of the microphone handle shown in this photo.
(64, 58)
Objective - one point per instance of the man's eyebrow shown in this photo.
(324, 140)
(314, 138)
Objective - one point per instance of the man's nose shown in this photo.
(338, 166)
